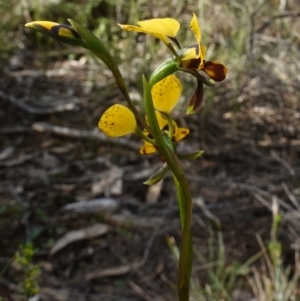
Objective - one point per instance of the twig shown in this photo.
(156, 232)
(268, 23)
(24, 205)
(290, 195)
(284, 163)
(134, 222)
(18, 161)
(43, 127)
(264, 193)
(262, 200)
(139, 291)
(21, 104)
(15, 130)
(252, 25)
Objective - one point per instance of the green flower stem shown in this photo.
(168, 67)
(206, 81)
(91, 42)
(170, 46)
(185, 200)
(170, 124)
(183, 209)
(143, 136)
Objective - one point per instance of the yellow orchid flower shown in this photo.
(165, 95)
(117, 121)
(191, 57)
(178, 134)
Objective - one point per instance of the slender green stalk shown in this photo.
(185, 260)
(185, 274)
(144, 137)
(170, 124)
(91, 42)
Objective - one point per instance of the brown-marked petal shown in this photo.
(61, 32)
(215, 70)
(117, 121)
(196, 100)
(166, 93)
(180, 134)
(147, 149)
(190, 57)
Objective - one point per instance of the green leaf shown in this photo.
(191, 156)
(158, 176)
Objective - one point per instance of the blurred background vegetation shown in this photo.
(257, 40)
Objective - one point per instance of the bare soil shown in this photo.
(252, 156)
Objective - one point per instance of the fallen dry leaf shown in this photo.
(153, 192)
(110, 182)
(72, 236)
(111, 272)
(7, 153)
(101, 205)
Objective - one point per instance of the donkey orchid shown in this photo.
(165, 96)
(191, 57)
(118, 120)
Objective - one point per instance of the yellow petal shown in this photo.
(166, 93)
(166, 26)
(180, 133)
(195, 27)
(163, 29)
(117, 121)
(147, 149)
(192, 57)
(162, 121)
